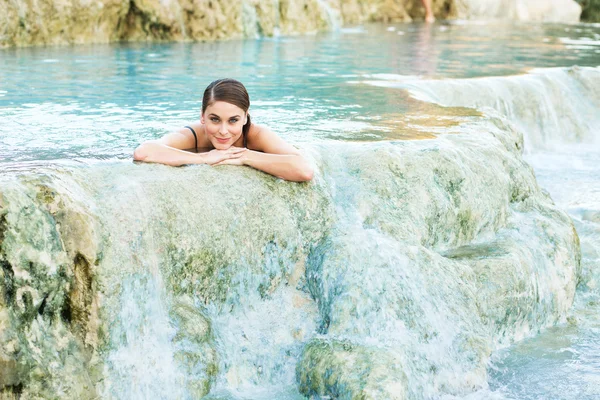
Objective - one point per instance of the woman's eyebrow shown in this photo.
(215, 115)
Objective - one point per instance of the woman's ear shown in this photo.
(246, 119)
(202, 119)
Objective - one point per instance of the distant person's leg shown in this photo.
(428, 13)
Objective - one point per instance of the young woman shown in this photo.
(225, 128)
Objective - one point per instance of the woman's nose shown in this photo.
(223, 129)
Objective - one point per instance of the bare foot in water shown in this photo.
(429, 18)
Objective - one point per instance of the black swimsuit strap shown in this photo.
(195, 137)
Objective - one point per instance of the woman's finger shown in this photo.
(224, 162)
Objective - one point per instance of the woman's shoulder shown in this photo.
(192, 135)
(259, 133)
(258, 130)
(262, 138)
(255, 128)
(197, 126)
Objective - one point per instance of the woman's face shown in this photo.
(223, 123)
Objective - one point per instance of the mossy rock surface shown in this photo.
(590, 10)
(343, 370)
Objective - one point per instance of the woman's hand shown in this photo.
(229, 156)
(232, 161)
(292, 167)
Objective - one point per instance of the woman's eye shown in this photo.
(233, 121)
(214, 119)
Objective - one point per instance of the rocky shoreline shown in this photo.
(66, 22)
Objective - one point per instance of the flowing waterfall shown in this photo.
(550, 106)
(557, 110)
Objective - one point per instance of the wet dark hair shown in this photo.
(229, 91)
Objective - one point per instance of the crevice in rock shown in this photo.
(138, 21)
(8, 282)
(28, 309)
(11, 391)
(78, 310)
(65, 312)
(3, 225)
(476, 251)
(8, 274)
(448, 8)
(314, 282)
(42, 306)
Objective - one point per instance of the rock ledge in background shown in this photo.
(60, 22)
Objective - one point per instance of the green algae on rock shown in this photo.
(345, 370)
(49, 321)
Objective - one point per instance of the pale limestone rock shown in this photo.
(154, 19)
(298, 16)
(357, 11)
(520, 10)
(262, 17)
(212, 19)
(48, 310)
(31, 22)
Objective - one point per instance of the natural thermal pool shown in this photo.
(404, 257)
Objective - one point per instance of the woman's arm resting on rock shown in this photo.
(156, 152)
(291, 167)
(274, 156)
(167, 150)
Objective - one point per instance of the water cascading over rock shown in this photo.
(394, 274)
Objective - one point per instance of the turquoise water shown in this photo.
(563, 362)
(99, 101)
(90, 104)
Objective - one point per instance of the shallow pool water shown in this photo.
(99, 101)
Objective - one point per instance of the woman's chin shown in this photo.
(221, 146)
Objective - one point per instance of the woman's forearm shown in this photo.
(291, 167)
(159, 153)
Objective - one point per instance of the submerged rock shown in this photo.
(346, 370)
